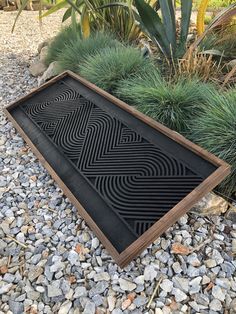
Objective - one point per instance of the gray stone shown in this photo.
(16, 307)
(3, 244)
(111, 300)
(8, 278)
(140, 301)
(166, 285)
(195, 285)
(202, 299)
(65, 307)
(95, 243)
(89, 308)
(40, 289)
(233, 305)
(5, 288)
(211, 204)
(228, 268)
(37, 68)
(80, 292)
(102, 276)
(193, 260)
(193, 271)
(34, 272)
(126, 285)
(73, 258)
(179, 295)
(98, 299)
(52, 70)
(33, 295)
(54, 290)
(218, 293)
(99, 288)
(181, 283)
(231, 214)
(139, 280)
(45, 43)
(177, 267)
(149, 273)
(215, 305)
(117, 311)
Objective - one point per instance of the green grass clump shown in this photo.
(172, 104)
(65, 36)
(77, 51)
(111, 65)
(215, 130)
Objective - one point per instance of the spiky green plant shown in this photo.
(77, 51)
(215, 130)
(111, 65)
(173, 104)
(66, 35)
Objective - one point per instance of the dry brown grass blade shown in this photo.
(154, 292)
(229, 76)
(198, 65)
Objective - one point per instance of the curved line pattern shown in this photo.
(139, 180)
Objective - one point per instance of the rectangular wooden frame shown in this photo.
(171, 216)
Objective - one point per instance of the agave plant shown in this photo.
(162, 28)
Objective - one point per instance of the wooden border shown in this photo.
(172, 215)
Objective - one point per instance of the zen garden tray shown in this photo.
(130, 177)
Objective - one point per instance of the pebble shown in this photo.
(149, 273)
(127, 285)
(177, 267)
(95, 243)
(210, 263)
(179, 295)
(102, 276)
(65, 307)
(56, 278)
(140, 301)
(89, 308)
(234, 245)
(54, 290)
(181, 283)
(34, 272)
(111, 300)
(218, 293)
(215, 305)
(5, 288)
(99, 288)
(16, 307)
(166, 285)
(80, 292)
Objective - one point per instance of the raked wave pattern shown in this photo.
(138, 180)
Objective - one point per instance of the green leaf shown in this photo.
(168, 16)
(60, 5)
(186, 10)
(74, 6)
(23, 5)
(154, 26)
(123, 5)
(67, 14)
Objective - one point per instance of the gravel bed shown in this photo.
(60, 266)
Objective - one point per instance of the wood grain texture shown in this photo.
(122, 259)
